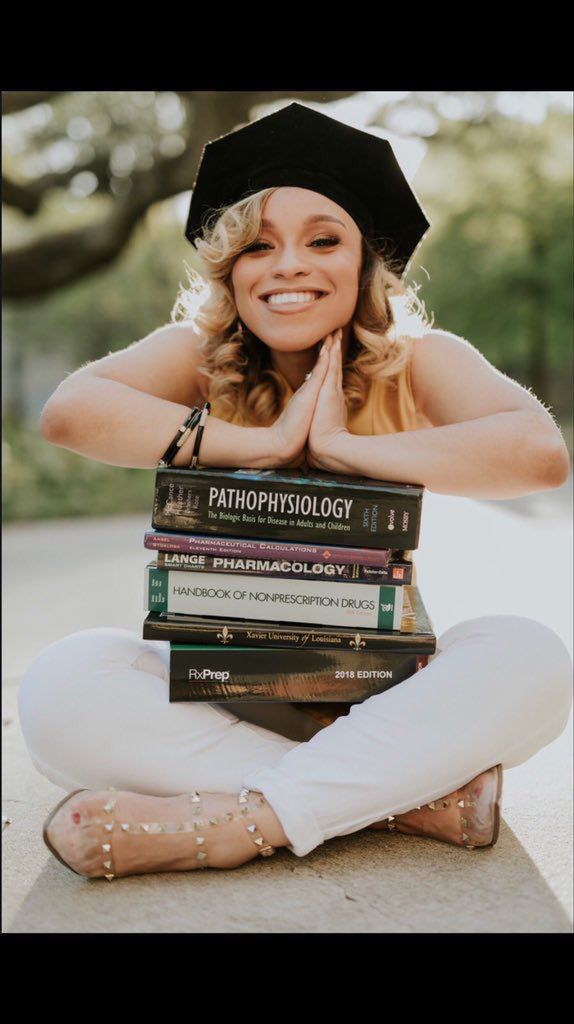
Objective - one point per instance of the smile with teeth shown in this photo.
(288, 298)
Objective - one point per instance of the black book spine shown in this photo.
(394, 574)
(256, 674)
(353, 511)
(201, 630)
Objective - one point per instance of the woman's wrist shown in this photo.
(230, 446)
(263, 448)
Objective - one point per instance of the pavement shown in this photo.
(60, 576)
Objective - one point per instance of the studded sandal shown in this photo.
(468, 817)
(195, 825)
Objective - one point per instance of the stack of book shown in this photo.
(273, 585)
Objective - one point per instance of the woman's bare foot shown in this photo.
(151, 834)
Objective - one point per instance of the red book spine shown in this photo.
(244, 547)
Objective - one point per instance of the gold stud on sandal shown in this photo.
(107, 846)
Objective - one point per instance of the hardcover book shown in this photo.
(208, 673)
(416, 634)
(317, 507)
(257, 547)
(395, 573)
(355, 605)
(298, 720)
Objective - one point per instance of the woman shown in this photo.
(337, 371)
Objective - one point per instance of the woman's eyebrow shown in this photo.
(309, 220)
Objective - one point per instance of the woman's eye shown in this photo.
(329, 240)
(321, 242)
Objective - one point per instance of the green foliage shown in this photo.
(41, 481)
(499, 255)
(109, 309)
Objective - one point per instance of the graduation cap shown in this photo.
(301, 147)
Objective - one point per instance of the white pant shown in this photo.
(95, 712)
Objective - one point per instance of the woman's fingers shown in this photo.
(327, 361)
(334, 368)
(334, 339)
(337, 360)
(317, 374)
(292, 426)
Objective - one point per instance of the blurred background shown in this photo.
(95, 197)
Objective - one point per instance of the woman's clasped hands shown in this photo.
(315, 416)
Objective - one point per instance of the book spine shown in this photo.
(244, 547)
(232, 596)
(395, 574)
(199, 630)
(365, 515)
(238, 673)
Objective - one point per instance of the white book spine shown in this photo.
(356, 605)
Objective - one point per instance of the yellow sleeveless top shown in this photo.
(390, 406)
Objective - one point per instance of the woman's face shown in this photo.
(307, 244)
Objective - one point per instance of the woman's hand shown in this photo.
(329, 420)
(288, 434)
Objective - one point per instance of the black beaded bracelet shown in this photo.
(181, 437)
(204, 414)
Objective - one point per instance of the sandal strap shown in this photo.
(264, 848)
(195, 825)
(153, 828)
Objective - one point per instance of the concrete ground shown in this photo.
(365, 882)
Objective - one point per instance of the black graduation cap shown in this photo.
(301, 147)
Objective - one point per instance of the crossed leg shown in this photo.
(95, 712)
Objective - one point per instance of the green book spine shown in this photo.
(157, 587)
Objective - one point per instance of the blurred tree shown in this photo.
(498, 189)
(125, 150)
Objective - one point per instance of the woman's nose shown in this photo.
(289, 261)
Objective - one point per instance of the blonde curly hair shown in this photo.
(244, 387)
